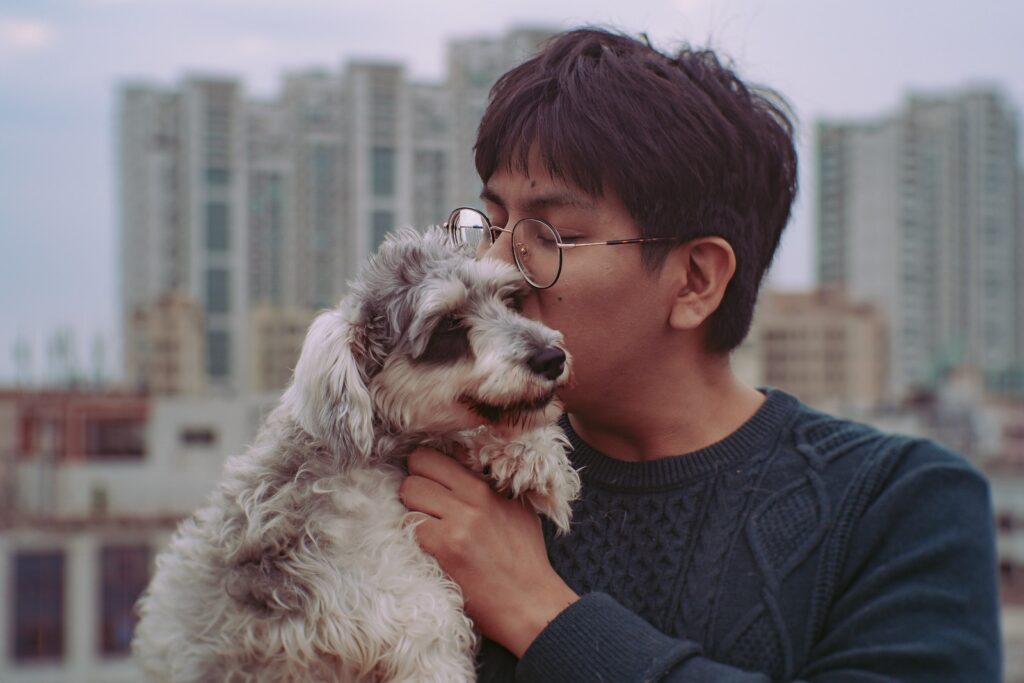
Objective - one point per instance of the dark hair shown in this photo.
(691, 150)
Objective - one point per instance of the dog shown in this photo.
(304, 564)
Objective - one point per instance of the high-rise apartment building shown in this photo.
(379, 152)
(269, 170)
(215, 192)
(431, 124)
(182, 212)
(239, 203)
(917, 213)
(152, 240)
(314, 193)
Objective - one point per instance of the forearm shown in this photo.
(597, 639)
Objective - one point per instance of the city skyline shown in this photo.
(235, 203)
(60, 66)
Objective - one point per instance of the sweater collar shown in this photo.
(757, 433)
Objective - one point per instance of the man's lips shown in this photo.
(496, 412)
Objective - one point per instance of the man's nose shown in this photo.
(500, 249)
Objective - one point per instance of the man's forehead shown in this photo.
(536, 193)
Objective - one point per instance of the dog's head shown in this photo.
(429, 340)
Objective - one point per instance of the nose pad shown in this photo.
(500, 250)
(548, 362)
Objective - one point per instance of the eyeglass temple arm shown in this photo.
(635, 240)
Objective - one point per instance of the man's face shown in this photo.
(610, 308)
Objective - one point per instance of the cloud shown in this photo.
(21, 36)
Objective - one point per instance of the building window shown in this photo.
(218, 358)
(115, 439)
(198, 436)
(217, 177)
(383, 222)
(429, 187)
(124, 573)
(217, 294)
(383, 169)
(38, 606)
(217, 229)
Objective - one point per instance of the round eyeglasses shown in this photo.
(536, 245)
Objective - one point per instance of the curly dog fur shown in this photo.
(303, 565)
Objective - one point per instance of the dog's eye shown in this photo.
(515, 302)
(448, 343)
(449, 323)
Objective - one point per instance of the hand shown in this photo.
(491, 546)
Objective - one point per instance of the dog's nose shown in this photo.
(548, 362)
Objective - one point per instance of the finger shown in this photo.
(415, 519)
(428, 531)
(437, 466)
(420, 494)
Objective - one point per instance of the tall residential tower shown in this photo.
(917, 213)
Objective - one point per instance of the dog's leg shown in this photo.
(389, 612)
(532, 466)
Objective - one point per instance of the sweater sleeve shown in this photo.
(913, 598)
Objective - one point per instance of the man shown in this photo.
(723, 533)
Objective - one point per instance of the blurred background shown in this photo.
(184, 183)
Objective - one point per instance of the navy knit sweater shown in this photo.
(801, 547)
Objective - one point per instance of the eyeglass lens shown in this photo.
(534, 244)
(472, 228)
(535, 247)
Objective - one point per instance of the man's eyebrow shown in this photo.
(553, 200)
(491, 197)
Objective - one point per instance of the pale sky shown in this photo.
(61, 62)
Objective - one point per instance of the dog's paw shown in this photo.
(534, 467)
(558, 510)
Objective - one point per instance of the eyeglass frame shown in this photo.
(490, 228)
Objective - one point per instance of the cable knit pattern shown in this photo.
(617, 525)
(754, 559)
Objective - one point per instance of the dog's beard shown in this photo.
(509, 412)
(516, 416)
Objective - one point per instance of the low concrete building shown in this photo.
(275, 340)
(165, 352)
(94, 485)
(818, 346)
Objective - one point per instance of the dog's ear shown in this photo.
(328, 394)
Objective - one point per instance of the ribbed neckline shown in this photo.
(666, 473)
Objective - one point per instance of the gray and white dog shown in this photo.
(303, 567)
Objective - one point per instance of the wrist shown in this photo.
(535, 612)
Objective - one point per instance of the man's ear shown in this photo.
(701, 269)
